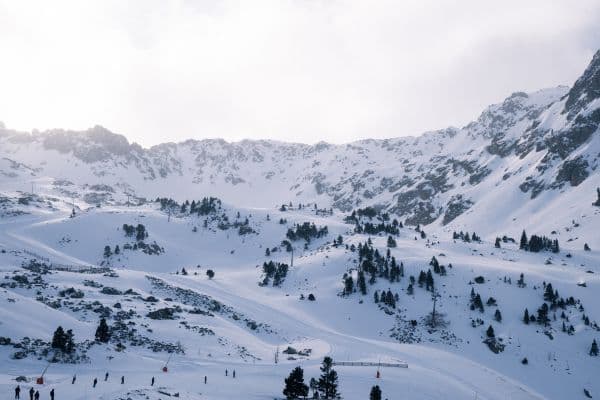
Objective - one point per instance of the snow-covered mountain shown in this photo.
(187, 279)
(532, 148)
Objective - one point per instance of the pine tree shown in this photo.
(497, 244)
(103, 332)
(490, 332)
(328, 381)
(391, 242)
(294, 385)
(498, 315)
(58, 339)
(362, 285)
(526, 317)
(524, 242)
(375, 393)
(594, 349)
(107, 251)
(348, 285)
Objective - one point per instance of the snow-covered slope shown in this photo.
(68, 200)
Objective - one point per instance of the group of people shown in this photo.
(33, 394)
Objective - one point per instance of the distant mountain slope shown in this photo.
(535, 151)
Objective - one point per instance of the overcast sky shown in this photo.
(291, 70)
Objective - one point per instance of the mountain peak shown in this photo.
(586, 88)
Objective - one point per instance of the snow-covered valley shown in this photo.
(92, 227)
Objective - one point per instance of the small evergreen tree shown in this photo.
(58, 339)
(328, 381)
(210, 273)
(594, 349)
(498, 315)
(294, 385)
(490, 332)
(107, 251)
(375, 393)
(524, 242)
(391, 242)
(362, 285)
(103, 332)
(526, 317)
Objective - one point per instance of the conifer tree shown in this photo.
(328, 381)
(375, 393)
(524, 242)
(594, 349)
(490, 332)
(294, 385)
(498, 315)
(103, 332)
(362, 285)
(526, 317)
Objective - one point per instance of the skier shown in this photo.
(105, 377)
(95, 382)
(37, 395)
(31, 391)
(17, 392)
(205, 379)
(152, 384)
(122, 380)
(73, 380)
(52, 394)
(234, 374)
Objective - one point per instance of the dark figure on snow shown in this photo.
(122, 380)
(73, 380)
(225, 372)
(105, 377)
(31, 391)
(95, 382)
(37, 395)
(152, 384)
(52, 394)
(17, 392)
(233, 374)
(205, 379)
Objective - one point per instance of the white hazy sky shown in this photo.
(291, 70)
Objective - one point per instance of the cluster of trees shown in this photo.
(504, 239)
(372, 263)
(373, 228)
(386, 298)
(538, 243)
(139, 231)
(426, 279)
(326, 387)
(205, 206)
(475, 302)
(63, 341)
(274, 270)
(465, 237)
(306, 231)
(437, 267)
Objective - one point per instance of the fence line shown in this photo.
(369, 364)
